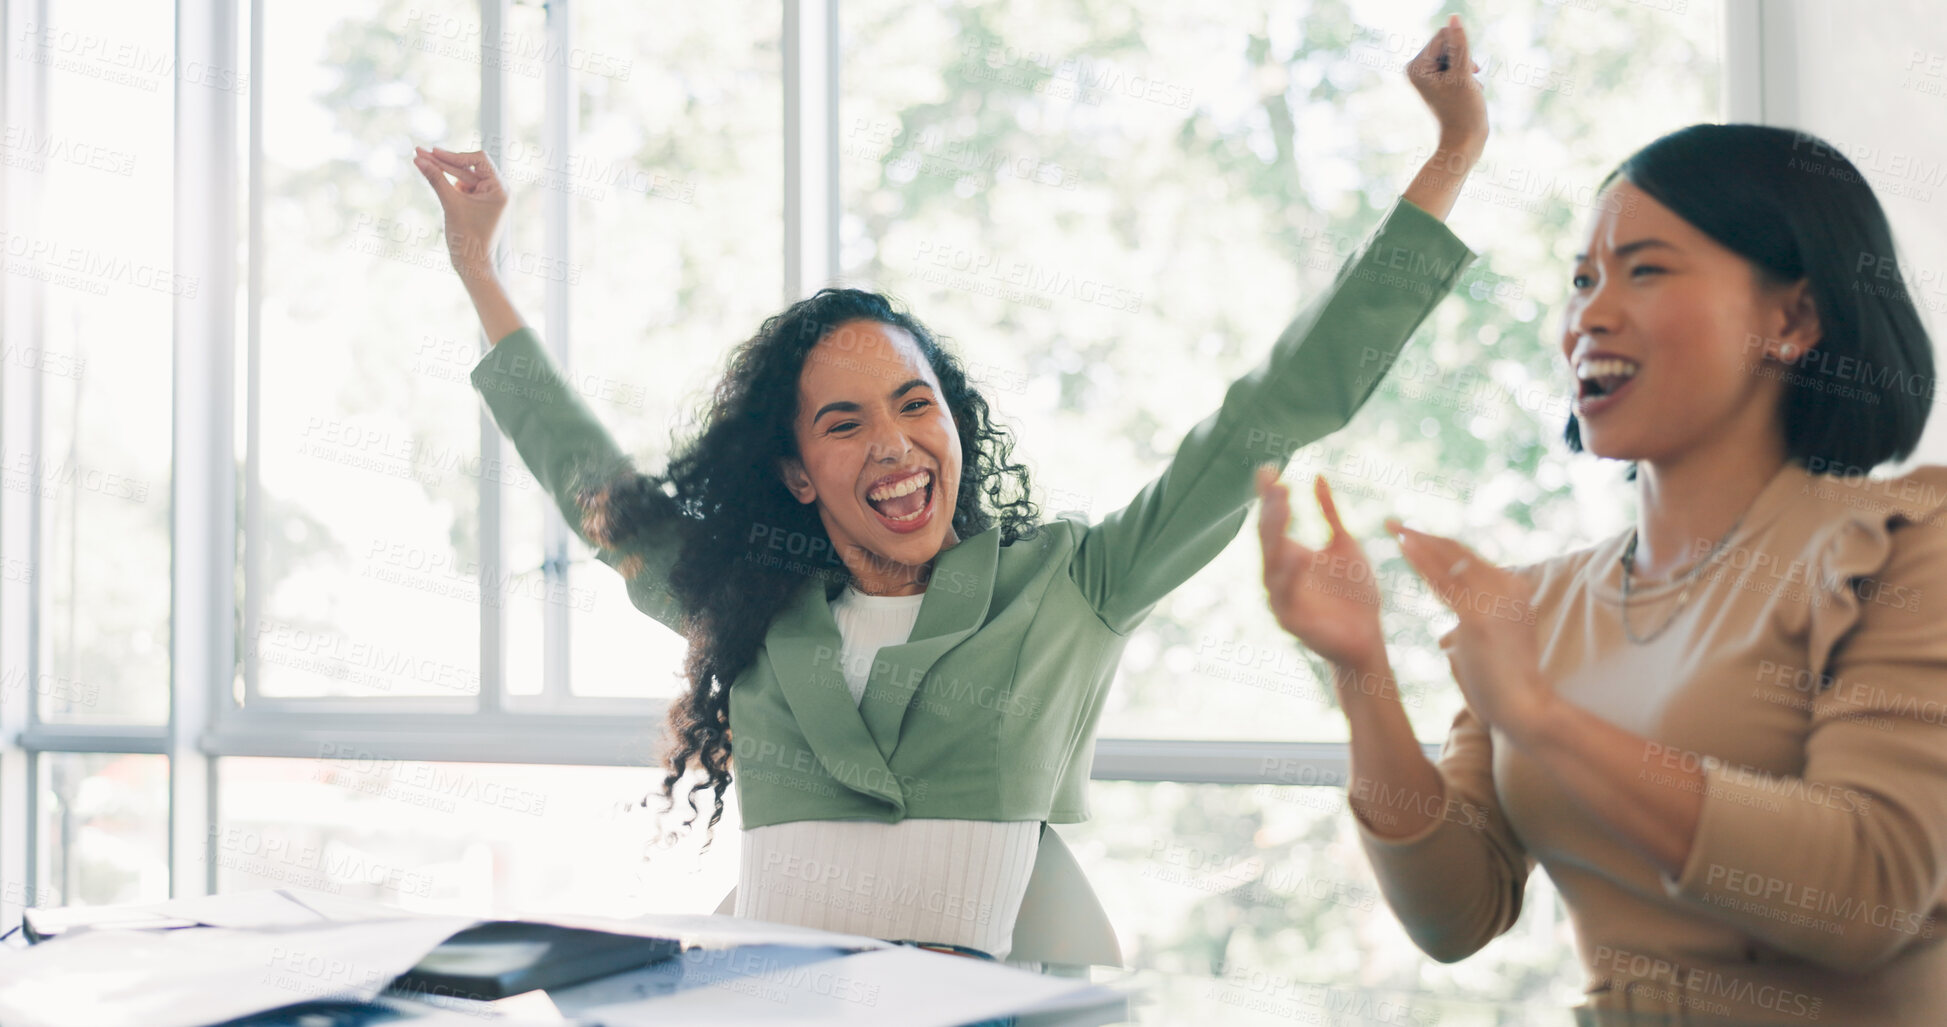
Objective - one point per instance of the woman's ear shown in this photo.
(796, 480)
(1799, 328)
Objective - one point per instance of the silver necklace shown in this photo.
(1689, 580)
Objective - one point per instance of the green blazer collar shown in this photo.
(853, 742)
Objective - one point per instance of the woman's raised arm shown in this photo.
(536, 406)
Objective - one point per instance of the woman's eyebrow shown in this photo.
(1631, 247)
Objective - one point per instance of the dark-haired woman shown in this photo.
(912, 668)
(1723, 732)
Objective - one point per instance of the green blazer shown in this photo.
(989, 712)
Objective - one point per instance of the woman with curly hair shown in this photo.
(910, 666)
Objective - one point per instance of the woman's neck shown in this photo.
(1687, 504)
(875, 575)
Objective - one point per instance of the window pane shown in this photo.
(1249, 883)
(675, 188)
(1114, 210)
(102, 259)
(488, 839)
(104, 829)
(369, 428)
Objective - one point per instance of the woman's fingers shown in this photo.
(467, 176)
(1444, 55)
(1284, 557)
(437, 177)
(1273, 517)
(1443, 562)
(1457, 53)
(469, 159)
(1323, 491)
(1429, 54)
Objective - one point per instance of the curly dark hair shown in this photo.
(725, 483)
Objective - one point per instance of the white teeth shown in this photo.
(1607, 367)
(900, 488)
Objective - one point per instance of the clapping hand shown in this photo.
(1326, 597)
(1493, 651)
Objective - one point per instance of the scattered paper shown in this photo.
(896, 986)
(204, 975)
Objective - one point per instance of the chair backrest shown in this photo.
(1061, 921)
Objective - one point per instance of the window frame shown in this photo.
(205, 723)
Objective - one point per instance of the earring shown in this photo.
(1787, 352)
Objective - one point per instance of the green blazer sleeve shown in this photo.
(564, 446)
(1319, 372)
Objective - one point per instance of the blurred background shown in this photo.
(280, 608)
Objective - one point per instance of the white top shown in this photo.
(953, 881)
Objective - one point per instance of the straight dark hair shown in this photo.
(1796, 208)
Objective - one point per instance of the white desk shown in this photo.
(268, 949)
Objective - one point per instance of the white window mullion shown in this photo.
(810, 146)
(493, 496)
(23, 102)
(203, 482)
(559, 129)
(1226, 762)
(255, 257)
(1743, 71)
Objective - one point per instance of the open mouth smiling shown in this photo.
(1601, 380)
(904, 501)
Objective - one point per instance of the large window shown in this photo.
(229, 322)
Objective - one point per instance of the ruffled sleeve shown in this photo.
(1845, 863)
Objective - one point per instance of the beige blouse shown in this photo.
(1807, 677)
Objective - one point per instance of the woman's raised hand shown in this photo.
(1443, 72)
(472, 202)
(1326, 597)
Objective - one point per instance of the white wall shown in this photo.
(1871, 78)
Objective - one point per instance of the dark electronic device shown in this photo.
(508, 957)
